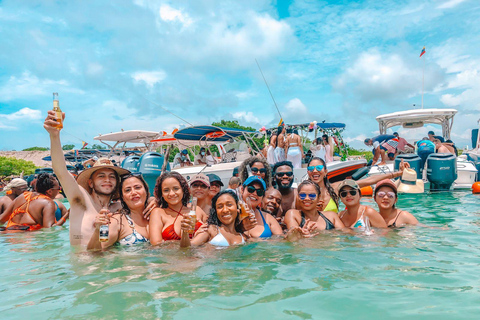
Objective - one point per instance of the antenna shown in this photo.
(269, 89)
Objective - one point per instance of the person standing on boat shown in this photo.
(329, 147)
(318, 148)
(294, 149)
(402, 143)
(432, 137)
(271, 148)
(283, 174)
(182, 159)
(380, 147)
(201, 157)
(13, 189)
(442, 148)
(280, 149)
(95, 189)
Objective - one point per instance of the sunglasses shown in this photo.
(311, 196)
(312, 168)
(252, 189)
(256, 170)
(391, 195)
(281, 174)
(353, 192)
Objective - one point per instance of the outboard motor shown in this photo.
(131, 163)
(475, 159)
(441, 171)
(150, 165)
(413, 159)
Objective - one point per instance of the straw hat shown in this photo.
(409, 183)
(102, 163)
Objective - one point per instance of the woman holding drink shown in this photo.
(172, 195)
(127, 226)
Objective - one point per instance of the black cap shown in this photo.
(395, 133)
(214, 178)
(431, 132)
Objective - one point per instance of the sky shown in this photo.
(122, 64)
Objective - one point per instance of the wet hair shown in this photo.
(124, 178)
(213, 216)
(327, 184)
(158, 188)
(243, 172)
(309, 183)
(281, 164)
(45, 182)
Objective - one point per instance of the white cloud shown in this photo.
(170, 14)
(246, 116)
(150, 78)
(450, 4)
(13, 120)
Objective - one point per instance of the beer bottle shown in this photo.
(58, 111)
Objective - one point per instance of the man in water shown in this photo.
(181, 159)
(272, 201)
(33, 210)
(200, 188)
(13, 189)
(283, 175)
(94, 190)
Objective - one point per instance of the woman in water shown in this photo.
(258, 167)
(223, 223)
(172, 195)
(307, 216)
(128, 226)
(355, 214)
(386, 197)
(266, 225)
(317, 172)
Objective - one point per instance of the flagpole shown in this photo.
(423, 78)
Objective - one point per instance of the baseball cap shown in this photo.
(348, 183)
(185, 151)
(253, 179)
(387, 183)
(201, 178)
(214, 178)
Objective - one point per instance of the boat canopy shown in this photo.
(210, 133)
(128, 136)
(418, 118)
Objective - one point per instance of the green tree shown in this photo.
(13, 166)
(233, 124)
(68, 147)
(36, 149)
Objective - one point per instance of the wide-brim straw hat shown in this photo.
(409, 183)
(102, 163)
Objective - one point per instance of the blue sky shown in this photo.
(115, 63)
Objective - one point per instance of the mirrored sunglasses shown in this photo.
(312, 168)
(311, 196)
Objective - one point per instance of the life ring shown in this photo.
(215, 134)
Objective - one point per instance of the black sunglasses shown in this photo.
(252, 189)
(353, 192)
(256, 170)
(281, 174)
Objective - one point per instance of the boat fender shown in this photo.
(476, 187)
(366, 191)
(360, 173)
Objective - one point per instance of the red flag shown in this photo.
(423, 52)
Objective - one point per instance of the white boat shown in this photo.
(417, 118)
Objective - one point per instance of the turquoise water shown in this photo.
(424, 273)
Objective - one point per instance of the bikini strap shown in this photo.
(398, 214)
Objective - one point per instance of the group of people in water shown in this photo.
(105, 194)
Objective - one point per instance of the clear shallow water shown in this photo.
(421, 272)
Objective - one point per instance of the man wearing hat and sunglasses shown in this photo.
(94, 190)
(13, 189)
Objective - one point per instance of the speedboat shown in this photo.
(417, 118)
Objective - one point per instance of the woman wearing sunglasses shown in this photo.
(265, 225)
(258, 167)
(386, 197)
(329, 201)
(355, 214)
(129, 225)
(307, 217)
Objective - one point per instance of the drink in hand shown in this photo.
(192, 215)
(58, 111)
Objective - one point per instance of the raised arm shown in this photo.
(69, 185)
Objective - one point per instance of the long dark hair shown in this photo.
(125, 208)
(213, 216)
(243, 172)
(158, 188)
(329, 187)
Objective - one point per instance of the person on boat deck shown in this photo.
(432, 137)
(12, 190)
(280, 149)
(329, 147)
(258, 167)
(182, 159)
(385, 196)
(252, 194)
(201, 157)
(223, 224)
(380, 146)
(283, 174)
(94, 189)
(355, 214)
(216, 185)
(33, 210)
(425, 147)
(402, 143)
(172, 195)
(318, 148)
(199, 188)
(329, 200)
(441, 148)
(450, 143)
(127, 226)
(271, 148)
(307, 217)
(236, 171)
(294, 149)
